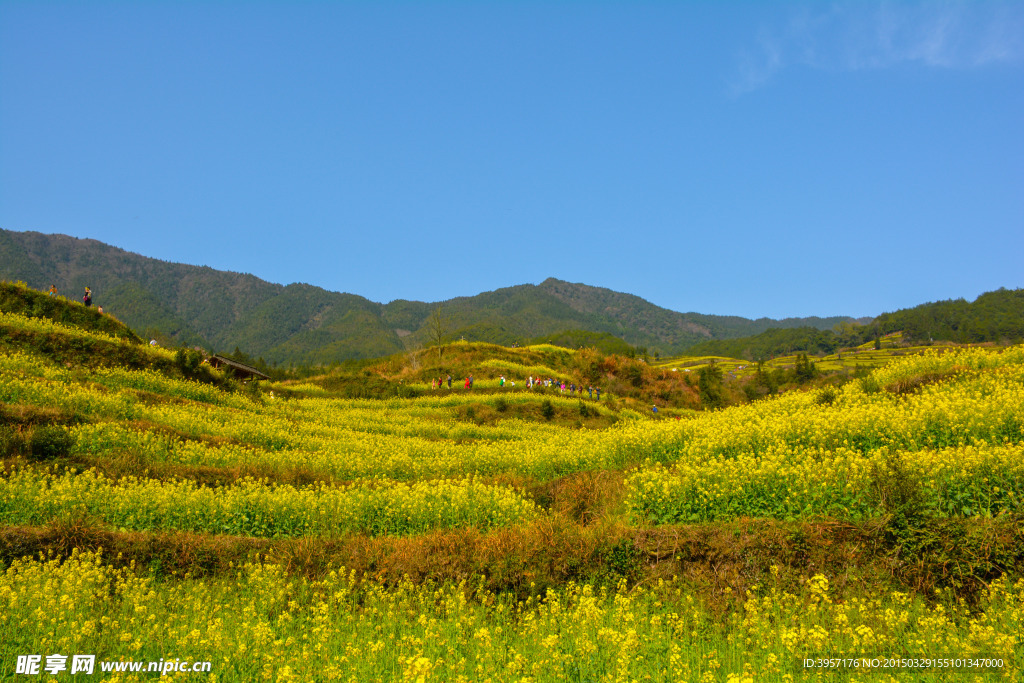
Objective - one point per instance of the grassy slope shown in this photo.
(19, 299)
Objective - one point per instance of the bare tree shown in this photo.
(437, 328)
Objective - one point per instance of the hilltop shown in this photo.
(21, 300)
(303, 324)
(83, 340)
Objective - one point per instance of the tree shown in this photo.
(437, 328)
(766, 378)
(804, 370)
(711, 393)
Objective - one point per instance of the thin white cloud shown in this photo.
(855, 36)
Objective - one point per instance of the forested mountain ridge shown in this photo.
(993, 317)
(304, 324)
(668, 325)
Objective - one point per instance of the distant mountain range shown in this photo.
(303, 324)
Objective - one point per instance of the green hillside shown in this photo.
(664, 330)
(992, 317)
(303, 324)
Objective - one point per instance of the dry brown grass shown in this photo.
(720, 560)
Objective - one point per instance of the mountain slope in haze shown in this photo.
(303, 324)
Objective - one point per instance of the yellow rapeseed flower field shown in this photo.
(947, 427)
(262, 624)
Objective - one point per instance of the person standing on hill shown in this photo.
(449, 382)
(467, 383)
(598, 390)
(53, 290)
(87, 299)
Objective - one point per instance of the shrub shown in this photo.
(869, 385)
(252, 390)
(49, 441)
(188, 361)
(633, 374)
(547, 409)
(11, 442)
(623, 560)
(752, 391)
(901, 495)
(826, 397)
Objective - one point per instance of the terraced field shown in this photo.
(862, 357)
(282, 533)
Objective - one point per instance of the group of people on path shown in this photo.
(562, 387)
(531, 383)
(438, 383)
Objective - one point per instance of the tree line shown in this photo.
(993, 317)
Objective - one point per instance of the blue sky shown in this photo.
(753, 159)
